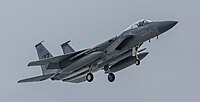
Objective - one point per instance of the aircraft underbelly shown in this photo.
(82, 62)
(65, 76)
(126, 62)
(118, 56)
(77, 80)
(77, 76)
(75, 73)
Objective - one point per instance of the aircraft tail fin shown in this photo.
(67, 48)
(43, 53)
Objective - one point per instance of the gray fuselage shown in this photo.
(110, 55)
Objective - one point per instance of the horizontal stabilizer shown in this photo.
(36, 79)
(56, 59)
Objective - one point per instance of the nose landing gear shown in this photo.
(135, 52)
(137, 62)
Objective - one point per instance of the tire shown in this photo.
(111, 77)
(137, 62)
(89, 77)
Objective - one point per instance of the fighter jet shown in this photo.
(110, 56)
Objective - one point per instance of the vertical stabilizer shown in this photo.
(43, 53)
(67, 48)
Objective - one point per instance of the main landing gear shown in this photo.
(89, 77)
(111, 77)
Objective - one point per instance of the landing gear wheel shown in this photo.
(137, 62)
(89, 77)
(111, 77)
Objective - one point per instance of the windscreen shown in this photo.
(138, 24)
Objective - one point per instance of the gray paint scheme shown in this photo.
(118, 53)
(67, 48)
(169, 73)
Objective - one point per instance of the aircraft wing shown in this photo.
(56, 59)
(36, 79)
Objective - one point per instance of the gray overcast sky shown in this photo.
(170, 73)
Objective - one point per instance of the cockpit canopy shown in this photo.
(139, 23)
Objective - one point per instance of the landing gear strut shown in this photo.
(137, 62)
(111, 76)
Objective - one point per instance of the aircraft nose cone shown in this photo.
(166, 25)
